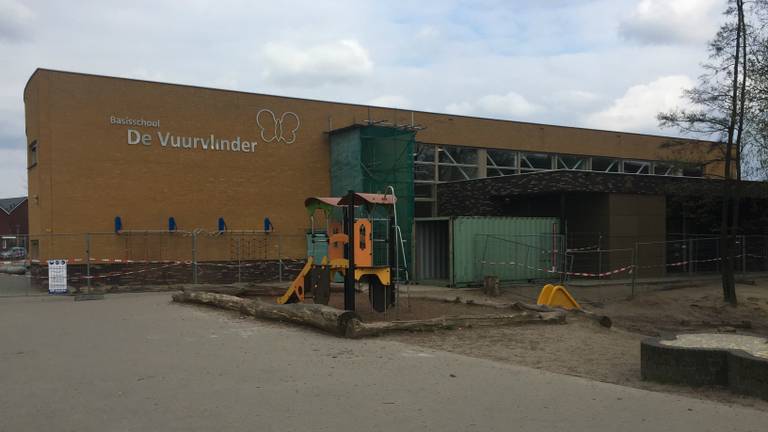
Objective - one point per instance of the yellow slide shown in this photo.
(557, 296)
(295, 293)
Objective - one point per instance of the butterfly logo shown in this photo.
(276, 129)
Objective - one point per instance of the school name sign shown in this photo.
(282, 129)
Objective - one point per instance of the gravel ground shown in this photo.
(582, 348)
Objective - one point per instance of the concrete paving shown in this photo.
(136, 362)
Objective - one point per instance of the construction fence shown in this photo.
(156, 258)
(591, 256)
(159, 257)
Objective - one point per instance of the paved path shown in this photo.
(135, 362)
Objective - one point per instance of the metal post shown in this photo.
(717, 254)
(194, 257)
(635, 269)
(743, 254)
(349, 276)
(485, 250)
(279, 258)
(599, 255)
(88, 260)
(239, 272)
(392, 258)
(562, 248)
(690, 256)
(765, 251)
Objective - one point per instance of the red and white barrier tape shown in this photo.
(251, 264)
(585, 248)
(682, 263)
(108, 261)
(131, 261)
(608, 273)
(245, 264)
(612, 272)
(551, 271)
(114, 274)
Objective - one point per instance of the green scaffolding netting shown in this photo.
(369, 159)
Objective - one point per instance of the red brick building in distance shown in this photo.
(14, 218)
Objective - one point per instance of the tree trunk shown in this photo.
(348, 324)
(726, 251)
(736, 204)
(603, 320)
(326, 318)
(358, 329)
(240, 291)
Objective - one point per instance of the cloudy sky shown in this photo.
(608, 64)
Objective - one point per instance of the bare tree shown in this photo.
(759, 93)
(724, 108)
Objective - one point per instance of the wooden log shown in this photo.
(240, 291)
(322, 317)
(348, 324)
(603, 320)
(744, 281)
(358, 329)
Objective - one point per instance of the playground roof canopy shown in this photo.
(328, 203)
(320, 203)
(367, 199)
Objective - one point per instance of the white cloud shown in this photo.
(14, 20)
(443, 53)
(636, 110)
(13, 166)
(342, 61)
(510, 106)
(11, 129)
(672, 21)
(574, 97)
(391, 101)
(428, 32)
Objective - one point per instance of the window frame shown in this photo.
(32, 154)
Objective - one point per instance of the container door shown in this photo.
(432, 251)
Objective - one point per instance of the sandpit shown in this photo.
(739, 362)
(754, 345)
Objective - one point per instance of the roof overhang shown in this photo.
(572, 181)
(8, 205)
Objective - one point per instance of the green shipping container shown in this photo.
(511, 248)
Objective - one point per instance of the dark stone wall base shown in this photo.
(148, 274)
(739, 371)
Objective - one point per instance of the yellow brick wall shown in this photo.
(87, 173)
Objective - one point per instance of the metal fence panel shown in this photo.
(466, 247)
(148, 258)
(518, 258)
